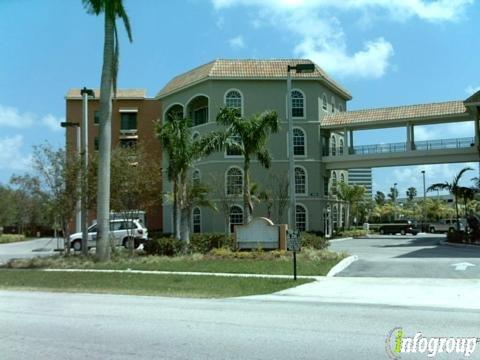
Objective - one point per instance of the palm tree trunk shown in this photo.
(176, 219)
(456, 212)
(247, 204)
(184, 211)
(105, 137)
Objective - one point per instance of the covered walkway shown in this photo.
(450, 149)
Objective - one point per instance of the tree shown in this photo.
(380, 198)
(112, 9)
(352, 195)
(393, 195)
(411, 193)
(137, 180)
(182, 151)
(56, 183)
(247, 136)
(454, 188)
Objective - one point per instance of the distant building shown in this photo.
(361, 177)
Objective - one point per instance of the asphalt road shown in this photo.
(420, 256)
(29, 249)
(83, 326)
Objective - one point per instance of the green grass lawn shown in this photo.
(317, 264)
(142, 284)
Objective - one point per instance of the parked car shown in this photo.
(446, 225)
(121, 231)
(398, 226)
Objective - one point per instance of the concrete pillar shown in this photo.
(345, 142)
(477, 119)
(350, 143)
(412, 137)
(409, 138)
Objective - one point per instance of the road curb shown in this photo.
(342, 265)
(340, 239)
(446, 243)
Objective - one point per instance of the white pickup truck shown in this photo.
(446, 225)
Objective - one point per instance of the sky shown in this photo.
(385, 52)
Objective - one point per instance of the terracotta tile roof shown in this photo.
(247, 69)
(370, 116)
(475, 98)
(121, 93)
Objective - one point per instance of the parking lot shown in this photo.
(421, 256)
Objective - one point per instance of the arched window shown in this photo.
(234, 181)
(196, 220)
(236, 217)
(340, 147)
(298, 103)
(324, 102)
(333, 104)
(300, 181)
(333, 143)
(342, 177)
(298, 142)
(196, 176)
(334, 183)
(233, 100)
(301, 217)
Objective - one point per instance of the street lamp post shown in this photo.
(84, 153)
(394, 201)
(78, 211)
(299, 68)
(424, 202)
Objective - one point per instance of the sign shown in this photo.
(293, 240)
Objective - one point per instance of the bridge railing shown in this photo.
(458, 143)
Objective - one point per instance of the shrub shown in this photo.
(456, 236)
(166, 246)
(313, 241)
(9, 238)
(205, 242)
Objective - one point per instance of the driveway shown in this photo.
(420, 256)
(28, 249)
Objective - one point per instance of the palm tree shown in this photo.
(352, 195)
(182, 151)
(112, 9)
(454, 188)
(411, 193)
(247, 136)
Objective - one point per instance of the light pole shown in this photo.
(424, 202)
(84, 153)
(299, 68)
(394, 196)
(78, 211)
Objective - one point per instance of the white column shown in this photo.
(409, 138)
(345, 142)
(350, 144)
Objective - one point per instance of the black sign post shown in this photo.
(293, 244)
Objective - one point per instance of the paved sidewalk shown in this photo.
(194, 273)
(443, 293)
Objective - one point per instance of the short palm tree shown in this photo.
(454, 188)
(112, 9)
(352, 195)
(248, 137)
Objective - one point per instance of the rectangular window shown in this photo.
(128, 121)
(96, 143)
(96, 117)
(200, 116)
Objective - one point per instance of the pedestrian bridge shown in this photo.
(411, 152)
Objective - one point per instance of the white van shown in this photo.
(121, 231)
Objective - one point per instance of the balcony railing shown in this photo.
(459, 143)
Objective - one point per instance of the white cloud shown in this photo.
(237, 42)
(11, 157)
(470, 90)
(12, 117)
(435, 132)
(52, 122)
(321, 36)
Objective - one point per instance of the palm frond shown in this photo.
(457, 177)
(264, 157)
(440, 187)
